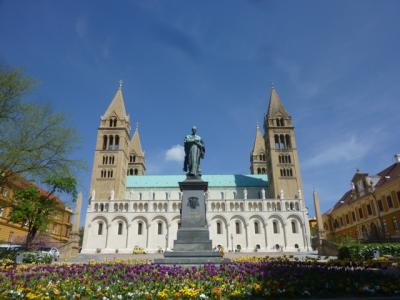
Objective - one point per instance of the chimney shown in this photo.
(397, 158)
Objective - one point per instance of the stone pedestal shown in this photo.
(193, 244)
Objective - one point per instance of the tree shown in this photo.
(33, 207)
(13, 85)
(34, 141)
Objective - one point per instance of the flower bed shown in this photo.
(262, 279)
(359, 251)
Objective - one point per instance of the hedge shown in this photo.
(359, 251)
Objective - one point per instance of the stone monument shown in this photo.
(193, 244)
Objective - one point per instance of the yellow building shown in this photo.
(58, 230)
(370, 210)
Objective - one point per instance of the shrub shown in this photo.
(357, 251)
(35, 258)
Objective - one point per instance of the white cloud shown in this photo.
(348, 150)
(175, 153)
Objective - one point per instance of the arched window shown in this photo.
(256, 227)
(110, 142)
(294, 228)
(287, 140)
(154, 196)
(115, 122)
(282, 141)
(104, 142)
(101, 207)
(100, 229)
(276, 137)
(219, 228)
(222, 195)
(104, 160)
(289, 159)
(119, 228)
(116, 142)
(263, 170)
(258, 170)
(111, 122)
(159, 228)
(291, 206)
(275, 226)
(140, 228)
(237, 225)
(290, 172)
(136, 171)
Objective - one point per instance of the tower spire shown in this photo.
(117, 105)
(275, 106)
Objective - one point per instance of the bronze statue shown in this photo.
(194, 151)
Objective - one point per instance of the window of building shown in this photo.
(288, 143)
(360, 213)
(104, 142)
(100, 228)
(275, 226)
(237, 224)
(258, 170)
(369, 209)
(398, 197)
(159, 228)
(256, 227)
(380, 205)
(110, 142)
(389, 201)
(116, 142)
(219, 228)
(395, 223)
(140, 228)
(136, 171)
(353, 214)
(119, 228)
(347, 219)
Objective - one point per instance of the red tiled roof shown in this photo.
(389, 174)
(20, 183)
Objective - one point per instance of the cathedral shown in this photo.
(262, 211)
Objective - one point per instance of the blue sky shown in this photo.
(335, 65)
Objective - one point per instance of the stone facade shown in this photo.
(370, 210)
(263, 211)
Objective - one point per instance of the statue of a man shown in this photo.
(194, 151)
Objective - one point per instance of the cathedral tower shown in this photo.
(283, 167)
(258, 163)
(111, 154)
(136, 164)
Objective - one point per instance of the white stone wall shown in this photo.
(158, 212)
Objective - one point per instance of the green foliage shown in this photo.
(359, 251)
(36, 258)
(34, 140)
(33, 209)
(13, 85)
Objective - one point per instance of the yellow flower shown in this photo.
(236, 293)
(56, 292)
(31, 295)
(162, 294)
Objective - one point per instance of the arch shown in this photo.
(159, 217)
(298, 218)
(116, 218)
(278, 217)
(105, 142)
(100, 217)
(140, 218)
(220, 218)
(288, 141)
(110, 142)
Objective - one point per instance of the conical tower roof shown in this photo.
(259, 143)
(136, 145)
(276, 107)
(117, 105)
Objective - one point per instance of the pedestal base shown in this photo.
(193, 245)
